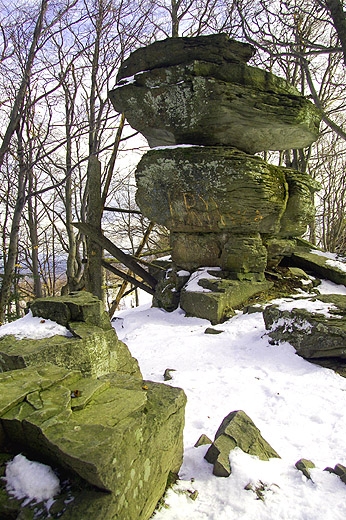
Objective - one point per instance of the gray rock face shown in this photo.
(202, 98)
(214, 48)
(237, 430)
(315, 334)
(216, 201)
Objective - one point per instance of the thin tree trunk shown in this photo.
(93, 271)
(338, 16)
(32, 223)
(11, 259)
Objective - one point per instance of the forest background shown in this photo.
(66, 156)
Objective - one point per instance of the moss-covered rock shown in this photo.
(119, 435)
(78, 306)
(320, 264)
(92, 350)
(94, 347)
(237, 430)
(211, 189)
(207, 97)
(216, 299)
(214, 48)
(319, 332)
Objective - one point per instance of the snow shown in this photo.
(337, 264)
(201, 273)
(313, 306)
(327, 287)
(174, 146)
(31, 480)
(31, 327)
(298, 406)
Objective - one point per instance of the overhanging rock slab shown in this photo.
(321, 264)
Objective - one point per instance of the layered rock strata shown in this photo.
(205, 111)
(80, 404)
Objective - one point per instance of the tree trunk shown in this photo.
(93, 271)
(32, 223)
(338, 16)
(11, 260)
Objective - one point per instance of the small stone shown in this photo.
(210, 330)
(167, 376)
(304, 465)
(237, 430)
(340, 470)
(193, 494)
(203, 440)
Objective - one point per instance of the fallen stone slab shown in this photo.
(320, 264)
(237, 430)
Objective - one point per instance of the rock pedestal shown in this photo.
(205, 112)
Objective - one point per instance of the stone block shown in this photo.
(317, 333)
(120, 438)
(212, 103)
(211, 190)
(214, 48)
(78, 306)
(93, 350)
(217, 300)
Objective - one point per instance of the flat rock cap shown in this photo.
(215, 48)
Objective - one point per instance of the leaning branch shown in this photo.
(122, 257)
(127, 277)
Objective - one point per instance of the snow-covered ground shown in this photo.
(299, 408)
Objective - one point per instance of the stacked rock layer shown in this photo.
(205, 112)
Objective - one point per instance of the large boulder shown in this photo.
(202, 98)
(93, 347)
(217, 201)
(211, 189)
(118, 436)
(214, 48)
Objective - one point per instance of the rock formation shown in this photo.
(237, 430)
(80, 405)
(206, 111)
(317, 333)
